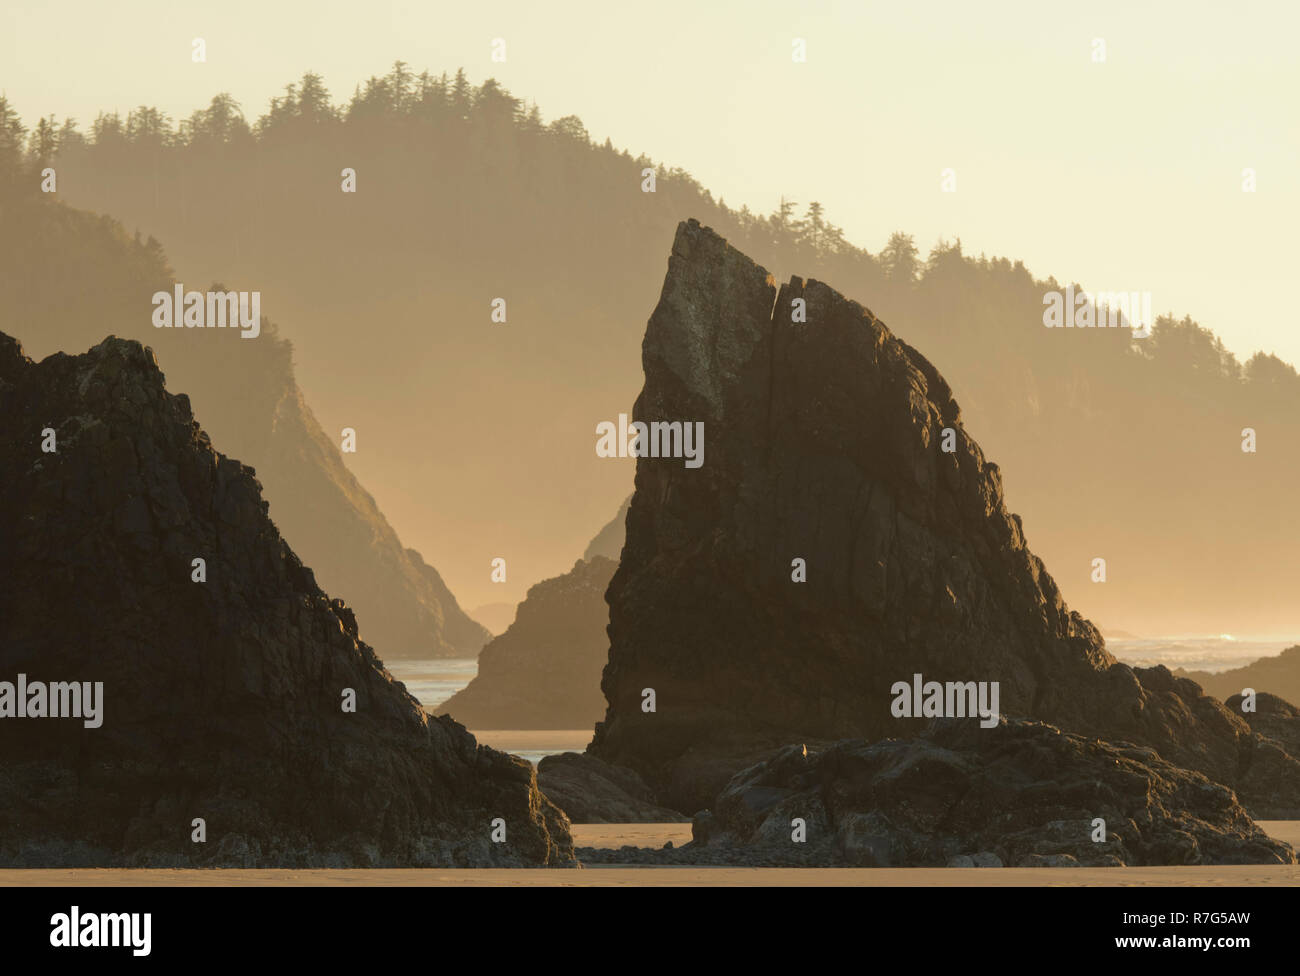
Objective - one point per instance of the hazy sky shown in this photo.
(1124, 176)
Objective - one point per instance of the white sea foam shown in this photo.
(1212, 653)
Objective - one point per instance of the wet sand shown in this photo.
(631, 835)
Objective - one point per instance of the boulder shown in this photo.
(591, 791)
(1022, 794)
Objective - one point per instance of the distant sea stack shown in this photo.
(495, 617)
(609, 540)
(544, 671)
(239, 720)
(79, 275)
(1278, 676)
(843, 535)
(401, 601)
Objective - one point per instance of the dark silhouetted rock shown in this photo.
(222, 700)
(823, 442)
(1022, 794)
(544, 671)
(591, 791)
(1278, 724)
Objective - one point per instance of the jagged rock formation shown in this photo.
(591, 791)
(1278, 722)
(824, 442)
(1022, 794)
(223, 699)
(80, 276)
(1278, 676)
(544, 671)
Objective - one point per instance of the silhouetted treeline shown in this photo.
(1114, 447)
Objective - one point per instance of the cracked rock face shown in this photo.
(823, 443)
(222, 700)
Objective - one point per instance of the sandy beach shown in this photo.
(655, 835)
(1252, 876)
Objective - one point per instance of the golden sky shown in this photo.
(1123, 175)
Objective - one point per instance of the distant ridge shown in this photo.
(75, 276)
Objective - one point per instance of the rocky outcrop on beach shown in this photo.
(1277, 723)
(843, 534)
(1023, 794)
(544, 671)
(239, 718)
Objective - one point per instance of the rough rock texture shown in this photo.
(1278, 724)
(1022, 794)
(591, 791)
(823, 443)
(1278, 676)
(544, 671)
(222, 700)
(80, 276)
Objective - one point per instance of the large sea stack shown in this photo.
(225, 733)
(835, 453)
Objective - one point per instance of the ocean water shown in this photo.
(432, 682)
(1214, 653)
